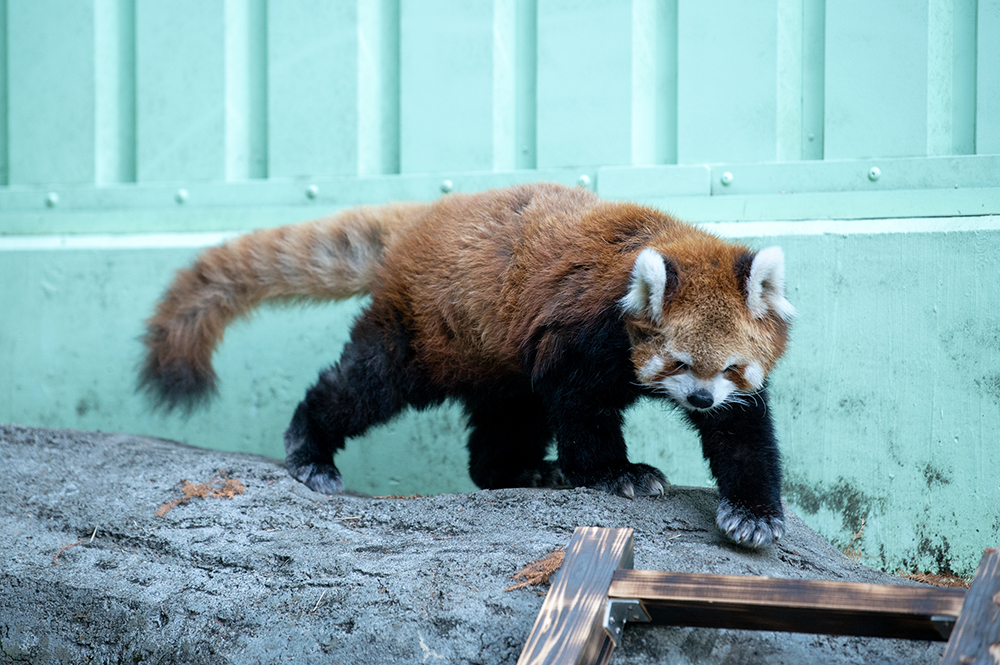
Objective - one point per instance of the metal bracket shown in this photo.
(943, 625)
(619, 611)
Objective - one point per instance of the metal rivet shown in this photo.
(52, 199)
(874, 173)
(811, 137)
(447, 186)
(583, 181)
(312, 191)
(726, 179)
(181, 196)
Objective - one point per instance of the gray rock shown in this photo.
(282, 574)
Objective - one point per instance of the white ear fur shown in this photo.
(649, 280)
(766, 285)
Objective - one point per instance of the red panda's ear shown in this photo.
(653, 280)
(765, 285)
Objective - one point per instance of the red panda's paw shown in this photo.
(746, 529)
(632, 480)
(547, 474)
(317, 476)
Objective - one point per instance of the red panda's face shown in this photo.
(707, 332)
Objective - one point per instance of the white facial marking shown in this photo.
(680, 385)
(766, 285)
(651, 368)
(649, 280)
(754, 374)
(685, 358)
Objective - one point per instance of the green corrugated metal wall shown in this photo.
(862, 136)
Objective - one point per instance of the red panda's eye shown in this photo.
(680, 367)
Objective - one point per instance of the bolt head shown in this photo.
(727, 178)
(312, 191)
(583, 181)
(181, 195)
(447, 186)
(52, 199)
(874, 173)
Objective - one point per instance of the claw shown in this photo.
(658, 486)
(746, 529)
(628, 491)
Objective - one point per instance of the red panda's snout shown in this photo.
(694, 386)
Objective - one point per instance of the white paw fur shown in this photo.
(747, 530)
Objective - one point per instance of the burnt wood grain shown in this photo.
(569, 627)
(976, 637)
(802, 606)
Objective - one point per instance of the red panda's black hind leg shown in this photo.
(592, 453)
(509, 436)
(739, 443)
(365, 388)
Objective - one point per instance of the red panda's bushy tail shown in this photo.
(327, 259)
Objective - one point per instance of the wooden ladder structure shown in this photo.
(597, 592)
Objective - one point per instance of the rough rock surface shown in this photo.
(282, 574)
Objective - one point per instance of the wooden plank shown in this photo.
(976, 637)
(569, 627)
(801, 606)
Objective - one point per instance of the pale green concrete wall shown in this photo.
(861, 135)
(887, 403)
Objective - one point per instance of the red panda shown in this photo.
(543, 309)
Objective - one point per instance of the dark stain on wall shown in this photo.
(841, 497)
(989, 386)
(935, 476)
(939, 552)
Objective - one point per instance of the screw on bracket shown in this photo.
(618, 612)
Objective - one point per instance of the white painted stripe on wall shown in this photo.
(113, 241)
(854, 226)
(126, 241)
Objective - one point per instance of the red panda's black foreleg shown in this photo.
(739, 443)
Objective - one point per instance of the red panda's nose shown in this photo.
(700, 399)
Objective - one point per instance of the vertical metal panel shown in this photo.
(813, 77)
(114, 86)
(312, 87)
(514, 84)
(584, 82)
(988, 78)
(876, 79)
(51, 91)
(940, 54)
(790, 62)
(654, 81)
(446, 86)
(727, 83)
(963, 105)
(180, 90)
(378, 87)
(4, 164)
(246, 89)
(526, 83)
(951, 77)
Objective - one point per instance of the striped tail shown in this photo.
(327, 259)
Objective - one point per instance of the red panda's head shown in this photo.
(707, 320)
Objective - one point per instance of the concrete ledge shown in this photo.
(282, 574)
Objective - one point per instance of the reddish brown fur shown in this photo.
(476, 276)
